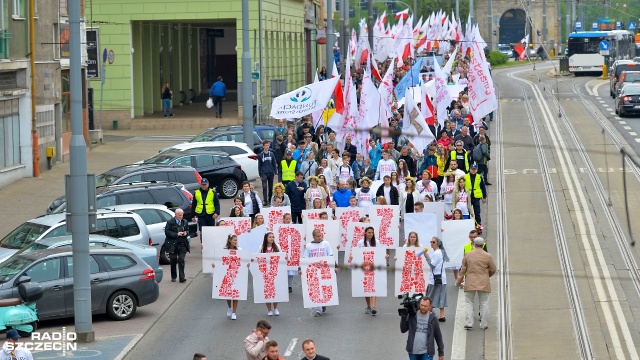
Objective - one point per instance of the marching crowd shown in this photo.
(311, 166)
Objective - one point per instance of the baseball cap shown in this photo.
(204, 181)
(13, 334)
(478, 241)
(301, 142)
(474, 166)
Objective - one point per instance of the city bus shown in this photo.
(584, 49)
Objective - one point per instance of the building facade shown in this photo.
(190, 44)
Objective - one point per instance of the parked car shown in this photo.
(234, 133)
(120, 281)
(616, 69)
(506, 50)
(147, 253)
(628, 100)
(156, 217)
(627, 77)
(118, 224)
(238, 151)
(186, 175)
(171, 195)
(222, 171)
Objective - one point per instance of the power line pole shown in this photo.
(370, 23)
(544, 22)
(247, 101)
(78, 189)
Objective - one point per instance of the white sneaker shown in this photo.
(270, 313)
(276, 312)
(233, 316)
(229, 312)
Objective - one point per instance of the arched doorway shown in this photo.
(512, 26)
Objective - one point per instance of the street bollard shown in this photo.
(604, 72)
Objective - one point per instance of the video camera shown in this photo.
(410, 304)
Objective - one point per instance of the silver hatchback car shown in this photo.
(120, 281)
(122, 225)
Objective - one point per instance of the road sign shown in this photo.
(112, 55)
(255, 75)
(604, 47)
(578, 25)
(594, 26)
(618, 25)
(104, 55)
(631, 26)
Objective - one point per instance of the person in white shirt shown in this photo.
(314, 192)
(12, 349)
(453, 168)
(364, 196)
(427, 187)
(408, 197)
(385, 166)
(232, 305)
(334, 162)
(344, 171)
(317, 248)
(252, 204)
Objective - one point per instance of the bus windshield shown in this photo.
(584, 45)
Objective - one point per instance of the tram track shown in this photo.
(619, 234)
(583, 340)
(505, 343)
(587, 233)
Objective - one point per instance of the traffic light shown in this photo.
(352, 13)
(363, 5)
(337, 5)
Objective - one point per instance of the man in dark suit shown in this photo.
(351, 149)
(309, 349)
(177, 243)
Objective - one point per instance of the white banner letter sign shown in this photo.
(231, 275)
(289, 239)
(415, 271)
(273, 215)
(252, 240)
(319, 285)
(240, 224)
(345, 216)
(369, 278)
(269, 278)
(314, 214)
(214, 238)
(387, 220)
(454, 237)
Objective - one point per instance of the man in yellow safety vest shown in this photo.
(205, 206)
(288, 168)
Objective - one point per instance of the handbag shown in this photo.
(437, 279)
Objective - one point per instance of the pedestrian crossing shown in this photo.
(177, 138)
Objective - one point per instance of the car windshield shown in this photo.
(504, 48)
(23, 235)
(33, 247)
(203, 136)
(12, 266)
(162, 158)
(105, 180)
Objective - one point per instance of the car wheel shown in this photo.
(620, 113)
(164, 256)
(616, 110)
(229, 188)
(121, 305)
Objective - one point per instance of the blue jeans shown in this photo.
(166, 106)
(420, 357)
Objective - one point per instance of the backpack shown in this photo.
(476, 153)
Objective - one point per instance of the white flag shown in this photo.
(304, 100)
(443, 97)
(415, 124)
(482, 94)
(386, 97)
(369, 101)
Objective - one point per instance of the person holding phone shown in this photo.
(176, 232)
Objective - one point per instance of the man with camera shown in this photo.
(423, 329)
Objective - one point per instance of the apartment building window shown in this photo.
(9, 133)
(19, 9)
